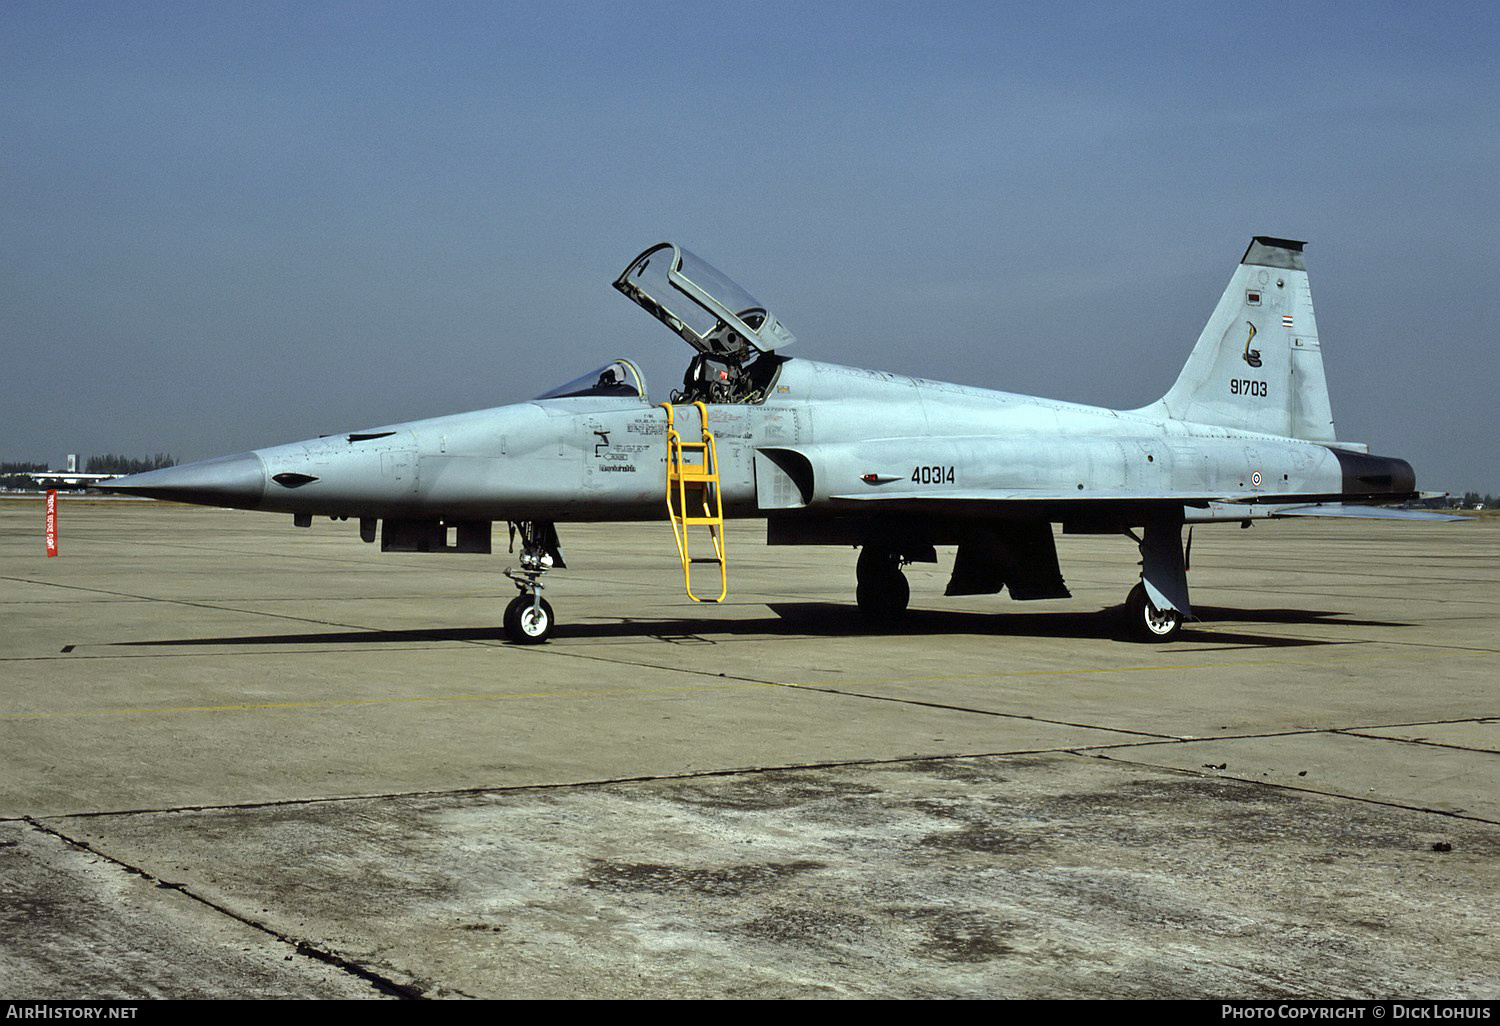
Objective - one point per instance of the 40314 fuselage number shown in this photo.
(932, 475)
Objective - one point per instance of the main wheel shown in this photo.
(1147, 623)
(528, 622)
(881, 591)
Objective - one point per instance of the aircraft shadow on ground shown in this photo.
(832, 620)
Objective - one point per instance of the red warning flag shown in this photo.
(51, 524)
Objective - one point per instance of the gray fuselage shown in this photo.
(844, 435)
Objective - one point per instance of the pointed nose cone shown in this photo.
(236, 481)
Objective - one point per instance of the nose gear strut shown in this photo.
(528, 619)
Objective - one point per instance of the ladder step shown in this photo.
(693, 483)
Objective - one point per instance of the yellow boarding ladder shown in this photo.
(693, 499)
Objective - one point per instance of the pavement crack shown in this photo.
(1165, 739)
(1355, 732)
(982, 712)
(843, 693)
(302, 947)
(564, 785)
(1280, 786)
(192, 605)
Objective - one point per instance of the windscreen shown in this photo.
(618, 379)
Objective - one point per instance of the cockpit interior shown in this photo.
(737, 339)
(736, 336)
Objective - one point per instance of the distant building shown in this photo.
(67, 478)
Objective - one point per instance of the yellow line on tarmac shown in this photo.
(723, 684)
(726, 685)
(734, 684)
(271, 706)
(1222, 667)
(1081, 672)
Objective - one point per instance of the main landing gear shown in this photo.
(1164, 563)
(880, 589)
(528, 619)
(1146, 622)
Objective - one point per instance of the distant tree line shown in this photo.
(110, 463)
(12, 474)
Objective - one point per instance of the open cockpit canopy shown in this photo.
(700, 303)
(620, 380)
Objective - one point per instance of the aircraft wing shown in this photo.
(1336, 509)
(1217, 509)
(948, 495)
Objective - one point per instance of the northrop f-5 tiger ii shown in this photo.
(894, 465)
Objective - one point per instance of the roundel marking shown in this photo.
(1255, 479)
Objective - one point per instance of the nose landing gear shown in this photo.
(528, 618)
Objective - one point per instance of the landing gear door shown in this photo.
(711, 312)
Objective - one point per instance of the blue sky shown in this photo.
(229, 226)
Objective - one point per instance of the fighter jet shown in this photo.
(830, 455)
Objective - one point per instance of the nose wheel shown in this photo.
(529, 619)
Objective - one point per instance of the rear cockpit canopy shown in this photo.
(712, 313)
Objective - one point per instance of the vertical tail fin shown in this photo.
(1257, 366)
